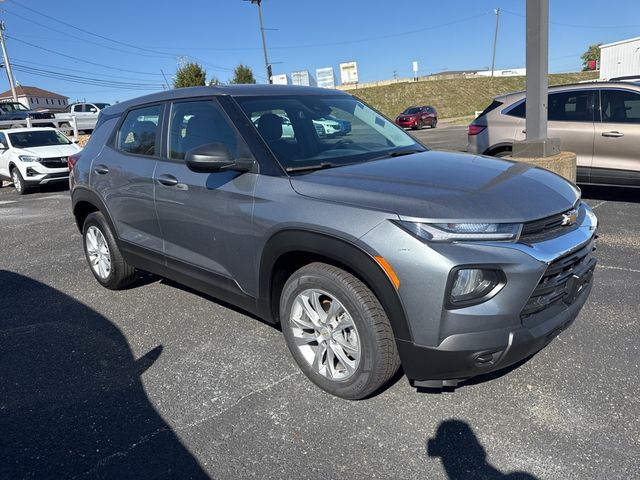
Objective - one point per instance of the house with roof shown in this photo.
(35, 98)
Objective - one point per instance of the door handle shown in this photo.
(168, 180)
(612, 134)
(101, 169)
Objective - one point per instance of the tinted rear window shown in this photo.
(495, 104)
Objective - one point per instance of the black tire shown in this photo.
(378, 356)
(434, 124)
(18, 181)
(121, 274)
(503, 153)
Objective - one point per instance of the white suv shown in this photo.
(34, 156)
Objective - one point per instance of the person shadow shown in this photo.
(72, 403)
(462, 455)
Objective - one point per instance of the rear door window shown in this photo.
(576, 106)
(571, 106)
(138, 133)
(620, 106)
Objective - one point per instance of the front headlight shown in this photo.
(29, 158)
(451, 232)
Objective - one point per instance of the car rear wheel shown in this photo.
(18, 181)
(337, 331)
(103, 255)
(503, 153)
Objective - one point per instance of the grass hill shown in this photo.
(458, 97)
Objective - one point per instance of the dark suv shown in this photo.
(370, 251)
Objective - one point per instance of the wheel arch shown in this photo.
(85, 202)
(289, 250)
(497, 148)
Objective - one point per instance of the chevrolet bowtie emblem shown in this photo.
(569, 218)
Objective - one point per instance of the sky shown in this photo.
(112, 51)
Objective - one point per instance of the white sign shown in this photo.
(300, 78)
(280, 79)
(348, 73)
(325, 77)
(415, 66)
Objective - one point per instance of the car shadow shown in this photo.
(72, 403)
(614, 194)
(462, 455)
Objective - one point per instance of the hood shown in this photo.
(444, 186)
(51, 151)
(410, 115)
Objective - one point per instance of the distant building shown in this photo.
(620, 59)
(35, 98)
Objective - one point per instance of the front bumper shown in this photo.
(448, 345)
(40, 175)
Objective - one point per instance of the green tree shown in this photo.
(242, 74)
(214, 81)
(592, 53)
(190, 75)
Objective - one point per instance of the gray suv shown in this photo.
(599, 121)
(369, 251)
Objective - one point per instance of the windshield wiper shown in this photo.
(317, 166)
(404, 152)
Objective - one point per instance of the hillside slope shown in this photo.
(454, 97)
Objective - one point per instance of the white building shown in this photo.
(620, 59)
(280, 79)
(35, 98)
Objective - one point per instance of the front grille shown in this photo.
(555, 286)
(55, 162)
(548, 227)
(42, 116)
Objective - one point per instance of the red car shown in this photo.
(418, 117)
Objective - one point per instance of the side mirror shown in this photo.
(3, 147)
(214, 157)
(93, 110)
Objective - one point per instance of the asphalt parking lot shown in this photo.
(158, 381)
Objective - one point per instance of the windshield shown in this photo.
(102, 106)
(38, 138)
(13, 107)
(319, 131)
(411, 110)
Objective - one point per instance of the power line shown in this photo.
(572, 25)
(88, 32)
(67, 34)
(81, 59)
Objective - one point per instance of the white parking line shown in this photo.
(633, 270)
(6, 202)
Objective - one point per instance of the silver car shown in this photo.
(598, 121)
(369, 251)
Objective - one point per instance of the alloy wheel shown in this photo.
(325, 334)
(98, 252)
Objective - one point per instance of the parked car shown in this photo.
(599, 121)
(86, 115)
(34, 156)
(370, 252)
(327, 127)
(345, 125)
(417, 117)
(19, 113)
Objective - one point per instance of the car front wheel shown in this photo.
(18, 181)
(102, 253)
(337, 331)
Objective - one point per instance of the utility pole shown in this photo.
(7, 64)
(495, 40)
(267, 65)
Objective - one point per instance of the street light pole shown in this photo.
(267, 65)
(495, 40)
(7, 64)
